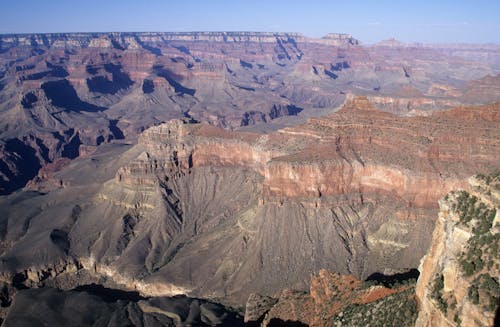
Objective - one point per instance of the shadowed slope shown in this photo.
(200, 210)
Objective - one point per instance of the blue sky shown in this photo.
(474, 21)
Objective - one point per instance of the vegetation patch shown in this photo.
(399, 309)
(480, 255)
(492, 180)
(437, 293)
(485, 291)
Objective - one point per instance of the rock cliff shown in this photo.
(196, 209)
(458, 285)
(134, 41)
(62, 95)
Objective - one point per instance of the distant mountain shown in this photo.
(61, 95)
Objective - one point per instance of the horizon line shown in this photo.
(256, 32)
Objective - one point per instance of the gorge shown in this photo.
(219, 166)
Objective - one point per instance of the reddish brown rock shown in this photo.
(115, 85)
(356, 150)
(329, 295)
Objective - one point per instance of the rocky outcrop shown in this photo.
(346, 166)
(412, 105)
(331, 300)
(256, 308)
(458, 285)
(126, 188)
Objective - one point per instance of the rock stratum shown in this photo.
(457, 285)
(62, 95)
(198, 210)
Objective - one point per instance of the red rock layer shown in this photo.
(356, 150)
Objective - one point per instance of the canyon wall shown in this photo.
(458, 285)
(219, 214)
(62, 95)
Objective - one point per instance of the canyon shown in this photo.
(61, 95)
(457, 284)
(255, 212)
(239, 168)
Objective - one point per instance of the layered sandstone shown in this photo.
(343, 159)
(347, 152)
(354, 192)
(70, 92)
(132, 41)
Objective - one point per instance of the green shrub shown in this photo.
(437, 293)
(474, 294)
(489, 283)
(488, 179)
(438, 284)
(482, 247)
(491, 290)
(485, 291)
(399, 309)
(467, 267)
